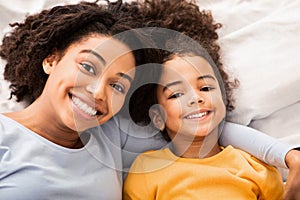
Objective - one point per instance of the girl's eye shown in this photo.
(206, 88)
(176, 95)
(88, 68)
(118, 87)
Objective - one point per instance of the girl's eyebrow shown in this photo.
(95, 54)
(179, 82)
(205, 77)
(170, 84)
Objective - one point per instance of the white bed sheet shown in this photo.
(260, 41)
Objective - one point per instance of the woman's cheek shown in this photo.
(117, 103)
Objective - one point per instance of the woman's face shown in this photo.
(191, 97)
(88, 84)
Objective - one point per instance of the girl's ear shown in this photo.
(157, 117)
(49, 62)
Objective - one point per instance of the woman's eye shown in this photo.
(176, 95)
(118, 87)
(88, 68)
(206, 88)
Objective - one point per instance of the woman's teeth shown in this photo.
(198, 115)
(84, 107)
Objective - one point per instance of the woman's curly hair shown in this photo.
(185, 17)
(55, 29)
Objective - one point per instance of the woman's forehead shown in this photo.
(107, 45)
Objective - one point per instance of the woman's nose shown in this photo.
(97, 89)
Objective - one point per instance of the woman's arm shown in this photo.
(260, 145)
(135, 139)
(138, 139)
(267, 149)
(292, 191)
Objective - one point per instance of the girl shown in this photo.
(189, 107)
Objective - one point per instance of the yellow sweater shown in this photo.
(232, 174)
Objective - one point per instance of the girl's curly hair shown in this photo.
(55, 29)
(185, 17)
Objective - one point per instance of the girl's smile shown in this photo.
(198, 115)
(191, 97)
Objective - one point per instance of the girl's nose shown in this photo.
(195, 99)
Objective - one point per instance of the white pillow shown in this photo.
(261, 44)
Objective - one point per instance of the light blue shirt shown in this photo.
(32, 167)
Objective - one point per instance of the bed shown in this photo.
(261, 45)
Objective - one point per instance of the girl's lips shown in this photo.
(197, 114)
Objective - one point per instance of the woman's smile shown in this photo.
(84, 108)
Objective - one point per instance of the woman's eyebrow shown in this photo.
(123, 75)
(95, 54)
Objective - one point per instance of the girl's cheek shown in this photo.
(175, 107)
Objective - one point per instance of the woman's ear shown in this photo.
(157, 118)
(49, 62)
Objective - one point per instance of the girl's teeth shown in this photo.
(84, 107)
(196, 115)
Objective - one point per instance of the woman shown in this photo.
(75, 74)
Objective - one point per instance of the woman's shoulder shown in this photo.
(8, 125)
(11, 127)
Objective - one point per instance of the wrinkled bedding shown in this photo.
(260, 43)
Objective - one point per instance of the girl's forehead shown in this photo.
(181, 67)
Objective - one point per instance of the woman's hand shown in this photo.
(292, 187)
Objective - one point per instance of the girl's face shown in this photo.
(191, 97)
(88, 85)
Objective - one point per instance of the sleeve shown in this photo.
(137, 139)
(3, 148)
(260, 145)
(268, 180)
